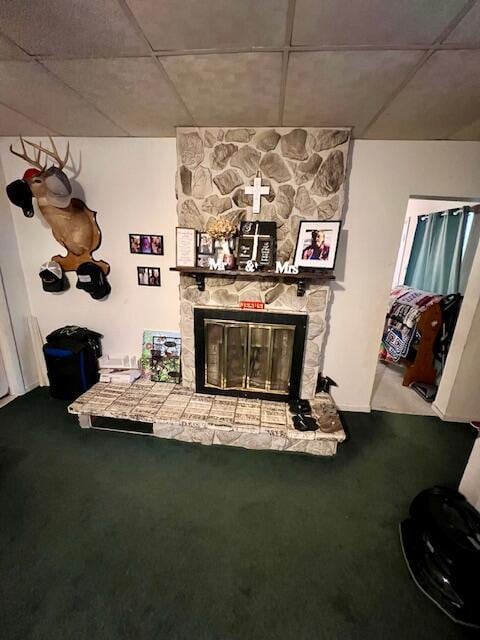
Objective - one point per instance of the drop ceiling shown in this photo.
(392, 69)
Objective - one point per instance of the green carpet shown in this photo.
(106, 535)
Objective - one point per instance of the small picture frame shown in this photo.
(146, 244)
(148, 276)
(203, 260)
(205, 243)
(185, 247)
(317, 244)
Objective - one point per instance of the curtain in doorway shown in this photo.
(436, 257)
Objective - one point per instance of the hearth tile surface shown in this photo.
(179, 413)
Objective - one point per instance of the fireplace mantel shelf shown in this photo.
(300, 279)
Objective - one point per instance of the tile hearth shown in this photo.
(181, 414)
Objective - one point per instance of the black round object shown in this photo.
(451, 521)
(441, 543)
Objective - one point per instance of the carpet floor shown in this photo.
(118, 536)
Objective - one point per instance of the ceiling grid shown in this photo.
(141, 68)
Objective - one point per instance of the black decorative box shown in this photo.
(257, 241)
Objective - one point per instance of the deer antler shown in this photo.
(33, 161)
(53, 154)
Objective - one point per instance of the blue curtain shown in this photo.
(436, 257)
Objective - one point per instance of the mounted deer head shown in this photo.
(51, 183)
(73, 224)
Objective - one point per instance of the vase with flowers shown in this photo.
(223, 231)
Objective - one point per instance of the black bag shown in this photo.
(71, 355)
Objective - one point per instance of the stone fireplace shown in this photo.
(305, 169)
(249, 354)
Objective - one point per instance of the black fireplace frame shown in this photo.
(299, 321)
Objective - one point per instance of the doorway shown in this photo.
(438, 242)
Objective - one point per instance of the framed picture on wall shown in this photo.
(186, 247)
(146, 244)
(148, 276)
(317, 244)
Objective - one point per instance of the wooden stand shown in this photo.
(422, 369)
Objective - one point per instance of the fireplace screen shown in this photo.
(243, 355)
(248, 356)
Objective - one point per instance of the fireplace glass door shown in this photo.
(248, 356)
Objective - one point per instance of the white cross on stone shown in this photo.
(256, 191)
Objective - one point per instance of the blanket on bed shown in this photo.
(405, 306)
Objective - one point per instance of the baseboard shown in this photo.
(446, 418)
(353, 407)
(31, 386)
(6, 400)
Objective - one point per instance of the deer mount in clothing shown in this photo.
(73, 224)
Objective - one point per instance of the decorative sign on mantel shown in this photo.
(285, 267)
(216, 265)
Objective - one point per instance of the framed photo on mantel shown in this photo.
(317, 244)
(186, 247)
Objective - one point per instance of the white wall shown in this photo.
(458, 396)
(131, 184)
(470, 484)
(383, 176)
(15, 343)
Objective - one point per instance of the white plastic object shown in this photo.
(123, 362)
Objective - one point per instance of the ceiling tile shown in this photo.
(29, 88)
(211, 24)
(8, 51)
(352, 22)
(443, 97)
(468, 30)
(56, 27)
(135, 93)
(16, 124)
(333, 88)
(228, 89)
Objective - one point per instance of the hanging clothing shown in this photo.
(436, 257)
